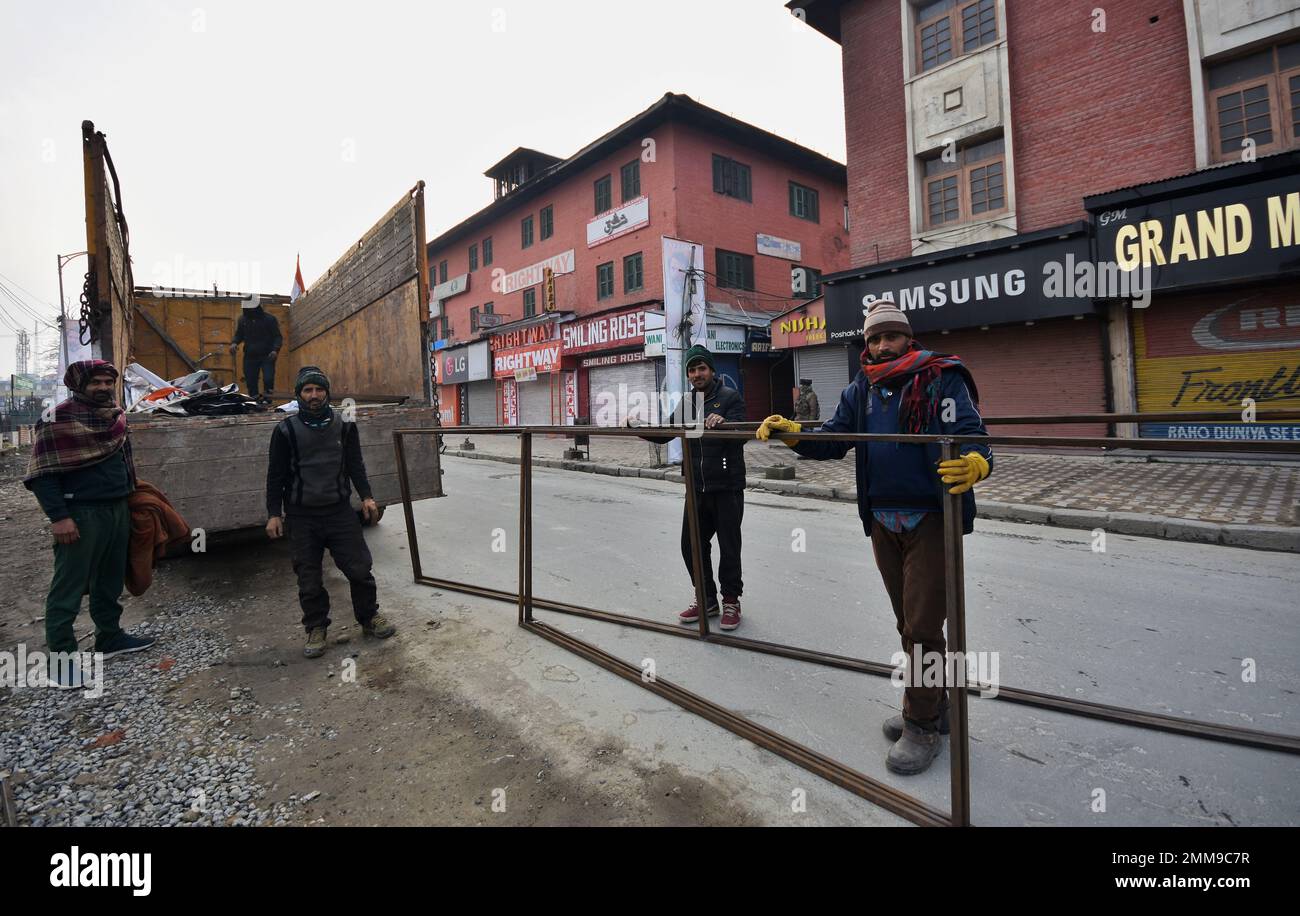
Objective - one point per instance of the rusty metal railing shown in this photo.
(828, 768)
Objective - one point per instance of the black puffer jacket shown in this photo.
(719, 463)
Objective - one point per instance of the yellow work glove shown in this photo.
(965, 471)
(778, 424)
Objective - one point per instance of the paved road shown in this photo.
(1257, 493)
(1149, 624)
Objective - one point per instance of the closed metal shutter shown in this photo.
(1051, 367)
(727, 368)
(483, 403)
(535, 402)
(828, 368)
(1211, 351)
(608, 407)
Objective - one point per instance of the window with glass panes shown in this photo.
(526, 231)
(631, 179)
(1255, 98)
(803, 203)
(632, 278)
(605, 280)
(735, 270)
(487, 251)
(547, 219)
(603, 195)
(473, 256)
(473, 318)
(731, 178)
(442, 271)
(530, 301)
(972, 187)
(949, 28)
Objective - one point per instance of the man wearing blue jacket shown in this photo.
(904, 388)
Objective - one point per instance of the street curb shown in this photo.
(1256, 537)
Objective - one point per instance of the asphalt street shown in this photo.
(1156, 625)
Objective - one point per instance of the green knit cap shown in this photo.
(311, 375)
(697, 353)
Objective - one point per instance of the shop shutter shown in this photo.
(483, 403)
(827, 367)
(535, 402)
(1050, 367)
(603, 389)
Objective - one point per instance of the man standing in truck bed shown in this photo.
(259, 332)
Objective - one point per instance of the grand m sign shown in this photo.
(1242, 225)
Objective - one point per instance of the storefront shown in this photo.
(1010, 308)
(802, 332)
(612, 376)
(1221, 330)
(458, 369)
(526, 363)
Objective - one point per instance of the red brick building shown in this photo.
(759, 205)
(984, 141)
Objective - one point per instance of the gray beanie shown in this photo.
(883, 317)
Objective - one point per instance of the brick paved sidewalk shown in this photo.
(1222, 493)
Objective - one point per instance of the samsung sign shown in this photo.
(991, 286)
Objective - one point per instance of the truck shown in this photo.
(365, 321)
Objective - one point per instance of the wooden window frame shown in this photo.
(609, 194)
(473, 257)
(743, 260)
(442, 271)
(956, 31)
(530, 301)
(1282, 115)
(606, 267)
(807, 193)
(628, 261)
(487, 251)
(546, 221)
(965, 205)
(526, 234)
(473, 318)
(732, 167)
(635, 167)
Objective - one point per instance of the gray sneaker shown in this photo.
(315, 642)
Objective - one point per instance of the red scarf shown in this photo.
(921, 400)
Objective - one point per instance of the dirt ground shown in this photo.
(406, 742)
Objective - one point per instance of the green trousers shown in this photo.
(94, 564)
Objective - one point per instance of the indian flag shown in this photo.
(298, 286)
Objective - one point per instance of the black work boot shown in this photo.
(893, 727)
(915, 750)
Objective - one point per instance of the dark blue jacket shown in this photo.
(895, 475)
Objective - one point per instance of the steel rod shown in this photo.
(955, 600)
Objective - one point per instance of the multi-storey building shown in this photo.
(997, 146)
(542, 298)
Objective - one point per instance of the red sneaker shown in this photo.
(730, 613)
(692, 613)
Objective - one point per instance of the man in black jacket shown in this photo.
(314, 454)
(259, 332)
(719, 467)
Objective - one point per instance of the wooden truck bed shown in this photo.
(213, 469)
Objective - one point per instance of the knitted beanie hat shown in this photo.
(700, 353)
(884, 317)
(311, 375)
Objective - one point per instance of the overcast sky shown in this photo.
(247, 132)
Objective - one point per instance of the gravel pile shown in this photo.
(135, 756)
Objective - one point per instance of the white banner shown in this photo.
(532, 274)
(632, 215)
